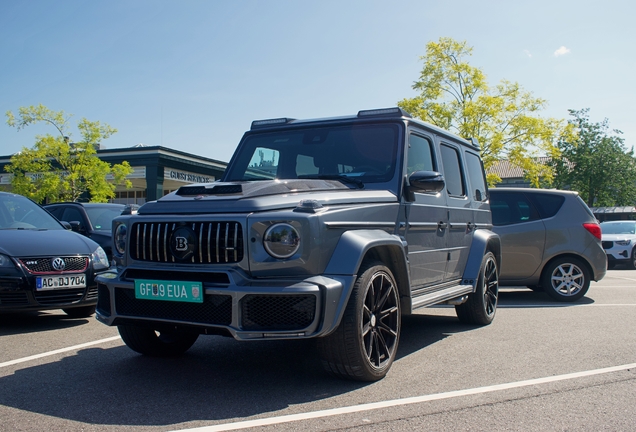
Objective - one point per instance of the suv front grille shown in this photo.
(214, 242)
(44, 265)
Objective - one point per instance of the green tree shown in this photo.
(596, 164)
(57, 169)
(456, 96)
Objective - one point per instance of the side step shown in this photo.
(430, 298)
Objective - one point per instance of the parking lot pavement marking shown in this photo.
(561, 305)
(59, 351)
(406, 401)
(615, 277)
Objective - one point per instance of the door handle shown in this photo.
(441, 225)
(470, 226)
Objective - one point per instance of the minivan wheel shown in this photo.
(365, 343)
(566, 279)
(481, 306)
(154, 343)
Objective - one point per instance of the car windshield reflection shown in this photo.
(18, 212)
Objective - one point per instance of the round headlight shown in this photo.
(281, 240)
(119, 239)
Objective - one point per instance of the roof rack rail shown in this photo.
(271, 122)
(384, 112)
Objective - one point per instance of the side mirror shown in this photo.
(426, 181)
(76, 226)
(66, 225)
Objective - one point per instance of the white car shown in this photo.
(619, 239)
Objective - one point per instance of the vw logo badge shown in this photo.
(183, 243)
(58, 264)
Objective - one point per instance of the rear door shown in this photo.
(460, 211)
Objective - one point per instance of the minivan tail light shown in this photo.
(594, 229)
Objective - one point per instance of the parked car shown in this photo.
(619, 241)
(43, 264)
(329, 229)
(550, 241)
(94, 220)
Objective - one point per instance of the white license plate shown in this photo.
(60, 282)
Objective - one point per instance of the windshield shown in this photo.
(18, 212)
(618, 227)
(102, 217)
(363, 152)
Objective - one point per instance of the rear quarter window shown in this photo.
(547, 204)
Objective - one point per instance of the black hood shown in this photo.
(33, 243)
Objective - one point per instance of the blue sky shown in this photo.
(192, 75)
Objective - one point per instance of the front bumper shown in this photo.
(244, 308)
(19, 294)
(616, 252)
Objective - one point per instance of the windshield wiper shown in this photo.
(340, 177)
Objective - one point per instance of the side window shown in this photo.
(511, 208)
(56, 211)
(73, 214)
(452, 171)
(548, 205)
(476, 176)
(420, 155)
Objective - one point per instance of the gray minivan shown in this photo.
(550, 241)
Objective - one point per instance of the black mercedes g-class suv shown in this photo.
(329, 229)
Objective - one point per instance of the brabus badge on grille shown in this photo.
(58, 264)
(183, 243)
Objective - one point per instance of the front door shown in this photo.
(426, 225)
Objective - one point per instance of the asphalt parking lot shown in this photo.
(540, 366)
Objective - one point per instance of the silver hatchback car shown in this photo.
(550, 241)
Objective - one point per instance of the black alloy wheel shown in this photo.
(481, 306)
(364, 346)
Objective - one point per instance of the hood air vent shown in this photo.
(204, 190)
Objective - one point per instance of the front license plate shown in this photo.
(178, 291)
(60, 282)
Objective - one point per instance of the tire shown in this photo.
(632, 262)
(80, 312)
(566, 279)
(481, 306)
(364, 345)
(154, 343)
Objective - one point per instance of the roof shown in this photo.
(605, 210)
(505, 169)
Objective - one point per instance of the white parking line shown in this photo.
(59, 351)
(561, 305)
(406, 401)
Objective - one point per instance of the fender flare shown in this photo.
(352, 248)
(483, 241)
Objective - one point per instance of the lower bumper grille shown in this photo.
(278, 312)
(54, 297)
(215, 309)
(14, 299)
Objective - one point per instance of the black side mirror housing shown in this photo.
(426, 181)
